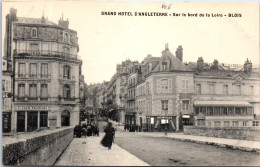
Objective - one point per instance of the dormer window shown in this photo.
(164, 66)
(34, 33)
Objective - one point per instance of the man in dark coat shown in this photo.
(109, 136)
(77, 131)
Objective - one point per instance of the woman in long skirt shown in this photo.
(109, 136)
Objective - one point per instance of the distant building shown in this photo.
(47, 73)
(225, 97)
(165, 93)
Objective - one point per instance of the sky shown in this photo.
(105, 40)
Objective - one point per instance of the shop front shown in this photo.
(31, 118)
(161, 123)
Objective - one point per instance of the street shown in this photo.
(168, 152)
(135, 149)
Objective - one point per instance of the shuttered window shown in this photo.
(33, 90)
(44, 70)
(33, 70)
(44, 90)
(185, 86)
(21, 90)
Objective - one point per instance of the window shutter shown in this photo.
(170, 109)
(158, 86)
(72, 74)
(170, 85)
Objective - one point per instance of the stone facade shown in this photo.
(43, 149)
(47, 73)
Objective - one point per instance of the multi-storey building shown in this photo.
(6, 96)
(166, 86)
(225, 97)
(47, 72)
(131, 110)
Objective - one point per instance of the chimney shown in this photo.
(200, 63)
(13, 13)
(215, 64)
(64, 23)
(179, 53)
(248, 66)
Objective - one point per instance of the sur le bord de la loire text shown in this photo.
(107, 13)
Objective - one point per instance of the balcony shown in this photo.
(130, 98)
(45, 53)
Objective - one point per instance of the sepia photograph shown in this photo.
(127, 83)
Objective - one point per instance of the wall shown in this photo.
(231, 133)
(41, 149)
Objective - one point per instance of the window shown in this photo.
(66, 72)
(239, 89)
(6, 85)
(235, 123)
(209, 110)
(35, 48)
(226, 123)
(32, 91)
(238, 110)
(197, 110)
(209, 124)
(164, 83)
(21, 72)
(21, 90)
(198, 88)
(225, 89)
(66, 50)
(164, 66)
(255, 123)
(44, 91)
(217, 124)
(185, 85)
(185, 105)
(66, 91)
(43, 118)
(66, 37)
(44, 70)
(244, 123)
(33, 70)
(34, 32)
(231, 111)
(224, 111)
(211, 89)
(251, 90)
(164, 105)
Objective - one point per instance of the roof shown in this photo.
(175, 63)
(223, 103)
(35, 21)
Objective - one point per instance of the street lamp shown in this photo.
(165, 109)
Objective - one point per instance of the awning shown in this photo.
(223, 103)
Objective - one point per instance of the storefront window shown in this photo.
(32, 121)
(20, 121)
(43, 118)
(209, 110)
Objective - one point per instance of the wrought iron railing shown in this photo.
(46, 53)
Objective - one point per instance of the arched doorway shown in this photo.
(65, 118)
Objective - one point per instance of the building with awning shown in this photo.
(223, 103)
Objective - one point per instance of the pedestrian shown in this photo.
(109, 136)
(77, 131)
(84, 130)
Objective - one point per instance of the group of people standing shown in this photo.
(86, 130)
(132, 128)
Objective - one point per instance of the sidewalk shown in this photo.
(245, 145)
(89, 152)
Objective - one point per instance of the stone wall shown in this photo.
(242, 133)
(40, 150)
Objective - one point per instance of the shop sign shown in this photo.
(32, 107)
